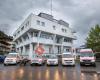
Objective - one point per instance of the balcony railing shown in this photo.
(36, 40)
(67, 44)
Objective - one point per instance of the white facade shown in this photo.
(55, 36)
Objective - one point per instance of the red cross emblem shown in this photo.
(39, 50)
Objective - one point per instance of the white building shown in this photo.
(55, 36)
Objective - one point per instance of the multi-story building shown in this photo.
(55, 36)
(5, 43)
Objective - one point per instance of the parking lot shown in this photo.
(17, 72)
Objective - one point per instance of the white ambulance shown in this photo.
(12, 58)
(37, 59)
(87, 57)
(52, 60)
(68, 59)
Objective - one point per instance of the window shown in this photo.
(54, 27)
(20, 40)
(42, 23)
(35, 34)
(18, 31)
(38, 22)
(22, 28)
(46, 36)
(15, 35)
(64, 30)
(27, 37)
(31, 34)
(28, 23)
(67, 50)
(65, 40)
(17, 42)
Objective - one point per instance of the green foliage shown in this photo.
(93, 39)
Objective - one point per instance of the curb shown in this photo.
(88, 71)
(98, 73)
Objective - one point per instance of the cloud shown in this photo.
(80, 14)
(84, 15)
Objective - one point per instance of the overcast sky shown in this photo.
(80, 14)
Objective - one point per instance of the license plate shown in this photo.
(34, 61)
(87, 64)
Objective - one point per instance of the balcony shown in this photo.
(41, 40)
(21, 33)
(74, 37)
(67, 44)
(36, 40)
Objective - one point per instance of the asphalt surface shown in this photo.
(13, 72)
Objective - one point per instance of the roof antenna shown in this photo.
(51, 7)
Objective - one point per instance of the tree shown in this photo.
(93, 39)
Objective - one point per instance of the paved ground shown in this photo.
(49, 72)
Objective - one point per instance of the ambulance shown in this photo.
(52, 60)
(12, 58)
(68, 59)
(87, 57)
(37, 59)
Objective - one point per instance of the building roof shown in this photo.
(50, 17)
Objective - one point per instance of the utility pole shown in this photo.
(51, 7)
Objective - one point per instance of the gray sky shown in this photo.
(80, 14)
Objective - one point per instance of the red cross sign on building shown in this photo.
(39, 50)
